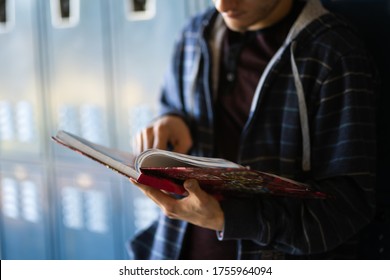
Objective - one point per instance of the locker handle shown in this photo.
(65, 13)
(65, 9)
(139, 5)
(7, 15)
(140, 9)
(3, 11)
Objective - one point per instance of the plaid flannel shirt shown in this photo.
(339, 83)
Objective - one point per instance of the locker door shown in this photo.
(79, 101)
(25, 229)
(76, 52)
(20, 114)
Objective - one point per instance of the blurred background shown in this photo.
(94, 68)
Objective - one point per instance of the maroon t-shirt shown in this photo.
(238, 81)
(245, 56)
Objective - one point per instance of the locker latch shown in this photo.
(140, 9)
(65, 9)
(139, 5)
(3, 11)
(65, 13)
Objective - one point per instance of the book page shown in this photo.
(162, 158)
(120, 161)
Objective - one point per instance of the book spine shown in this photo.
(161, 183)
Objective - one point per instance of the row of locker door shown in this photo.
(89, 214)
(93, 68)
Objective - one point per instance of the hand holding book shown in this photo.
(196, 207)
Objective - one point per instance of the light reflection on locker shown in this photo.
(95, 211)
(10, 198)
(29, 201)
(20, 198)
(25, 225)
(84, 209)
(72, 208)
(25, 123)
(85, 120)
(17, 122)
(7, 124)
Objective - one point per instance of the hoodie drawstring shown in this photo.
(306, 165)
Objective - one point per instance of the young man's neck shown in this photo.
(281, 10)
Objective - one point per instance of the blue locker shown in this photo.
(93, 68)
(25, 221)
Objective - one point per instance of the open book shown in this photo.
(168, 170)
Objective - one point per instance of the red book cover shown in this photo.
(234, 181)
(161, 183)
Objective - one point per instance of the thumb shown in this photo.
(192, 187)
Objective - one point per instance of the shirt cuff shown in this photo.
(241, 221)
